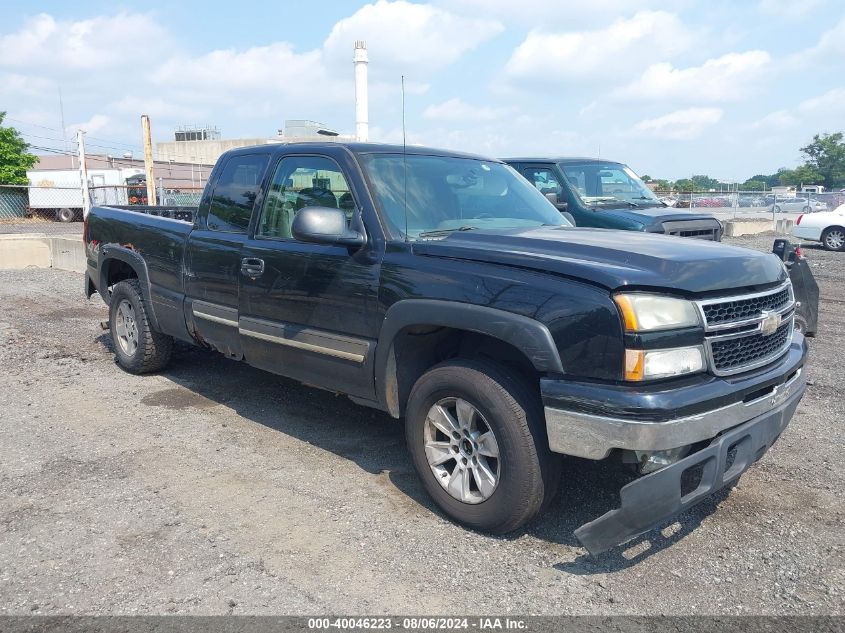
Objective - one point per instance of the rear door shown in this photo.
(308, 311)
(213, 261)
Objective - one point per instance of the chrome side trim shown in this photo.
(358, 358)
(216, 319)
(307, 339)
(593, 436)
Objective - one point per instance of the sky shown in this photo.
(728, 88)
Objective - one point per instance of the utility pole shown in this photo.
(83, 174)
(148, 159)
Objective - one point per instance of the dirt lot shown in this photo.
(215, 488)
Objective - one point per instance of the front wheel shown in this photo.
(478, 443)
(833, 239)
(139, 348)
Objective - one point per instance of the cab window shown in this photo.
(299, 182)
(235, 193)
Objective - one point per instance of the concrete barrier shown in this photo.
(747, 226)
(41, 251)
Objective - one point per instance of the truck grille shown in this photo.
(739, 352)
(698, 229)
(743, 309)
(735, 338)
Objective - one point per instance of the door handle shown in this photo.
(252, 267)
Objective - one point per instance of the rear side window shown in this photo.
(235, 193)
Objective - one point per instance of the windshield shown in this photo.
(604, 183)
(447, 194)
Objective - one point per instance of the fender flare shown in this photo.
(529, 336)
(110, 252)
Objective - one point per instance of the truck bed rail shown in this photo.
(173, 212)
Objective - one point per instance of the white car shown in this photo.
(827, 228)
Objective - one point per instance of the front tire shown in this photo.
(478, 443)
(833, 238)
(139, 349)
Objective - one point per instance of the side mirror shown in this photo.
(555, 200)
(324, 225)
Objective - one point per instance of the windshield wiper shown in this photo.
(598, 203)
(441, 232)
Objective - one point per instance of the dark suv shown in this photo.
(608, 195)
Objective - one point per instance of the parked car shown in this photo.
(444, 289)
(606, 194)
(825, 227)
(797, 205)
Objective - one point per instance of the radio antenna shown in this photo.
(404, 162)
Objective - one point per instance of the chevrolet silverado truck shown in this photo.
(609, 195)
(444, 289)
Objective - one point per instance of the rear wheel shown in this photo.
(776, 209)
(478, 443)
(64, 215)
(139, 349)
(833, 238)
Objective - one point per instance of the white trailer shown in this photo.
(57, 193)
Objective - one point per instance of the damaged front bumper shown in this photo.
(740, 431)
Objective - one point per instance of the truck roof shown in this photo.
(359, 148)
(559, 159)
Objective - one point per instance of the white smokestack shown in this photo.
(362, 116)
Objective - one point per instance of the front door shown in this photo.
(307, 311)
(213, 262)
(548, 180)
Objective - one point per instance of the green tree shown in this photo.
(685, 185)
(14, 158)
(802, 175)
(826, 157)
(753, 184)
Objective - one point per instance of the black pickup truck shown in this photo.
(605, 194)
(444, 289)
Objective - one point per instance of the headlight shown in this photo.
(662, 363)
(647, 313)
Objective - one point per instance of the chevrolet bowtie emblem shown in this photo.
(771, 322)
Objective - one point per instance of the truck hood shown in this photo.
(651, 215)
(614, 259)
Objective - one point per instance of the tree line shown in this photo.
(824, 164)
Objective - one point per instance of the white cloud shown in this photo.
(829, 50)
(273, 69)
(680, 125)
(414, 37)
(778, 119)
(459, 110)
(829, 103)
(83, 45)
(555, 13)
(730, 77)
(788, 8)
(91, 126)
(626, 43)
(827, 109)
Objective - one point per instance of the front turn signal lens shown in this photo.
(662, 363)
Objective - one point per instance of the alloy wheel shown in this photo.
(126, 327)
(461, 450)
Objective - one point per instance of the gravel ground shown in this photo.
(214, 488)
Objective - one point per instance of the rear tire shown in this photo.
(833, 238)
(139, 348)
(526, 472)
(64, 215)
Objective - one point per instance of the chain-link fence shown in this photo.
(58, 210)
(754, 203)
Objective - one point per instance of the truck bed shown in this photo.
(158, 234)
